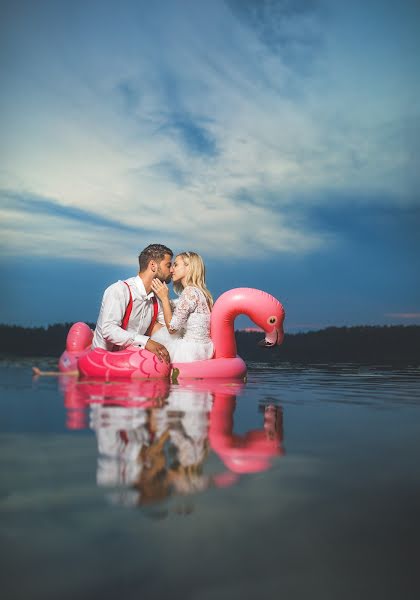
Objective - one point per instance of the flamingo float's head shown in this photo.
(270, 317)
(262, 308)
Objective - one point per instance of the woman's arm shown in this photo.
(186, 305)
(162, 292)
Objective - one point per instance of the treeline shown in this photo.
(379, 344)
(365, 345)
(34, 341)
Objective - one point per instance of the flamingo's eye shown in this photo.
(272, 320)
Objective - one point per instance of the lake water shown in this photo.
(302, 483)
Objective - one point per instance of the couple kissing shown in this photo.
(138, 311)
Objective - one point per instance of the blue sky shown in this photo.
(278, 139)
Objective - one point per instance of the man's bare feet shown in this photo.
(37, 372)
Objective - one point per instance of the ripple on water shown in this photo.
(374, 385)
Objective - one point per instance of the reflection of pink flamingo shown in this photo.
(248, 453)
(74, 402)
(260, 307)
(80, 394)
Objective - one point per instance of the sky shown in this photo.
(279, 139)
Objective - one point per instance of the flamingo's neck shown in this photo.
(222, 324)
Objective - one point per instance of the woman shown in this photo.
(187, 332)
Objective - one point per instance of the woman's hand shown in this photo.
(160, 289)
(162, 292)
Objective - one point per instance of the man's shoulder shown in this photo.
(130, 280)
(118, 287)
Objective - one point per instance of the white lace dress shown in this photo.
(191, 319)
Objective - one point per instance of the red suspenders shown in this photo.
(129, 308)
(154, 318)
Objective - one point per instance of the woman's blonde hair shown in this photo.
(196, 275)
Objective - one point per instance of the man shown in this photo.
(122, 322)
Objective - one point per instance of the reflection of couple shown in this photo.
(131, 315)
(148, 454)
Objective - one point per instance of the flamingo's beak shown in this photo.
(272, 338)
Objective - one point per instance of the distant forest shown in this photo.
(365, 344)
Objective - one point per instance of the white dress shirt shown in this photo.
(108, 332)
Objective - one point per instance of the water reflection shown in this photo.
(154, 439)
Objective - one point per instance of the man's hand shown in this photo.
(158, 349)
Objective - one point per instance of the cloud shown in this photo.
(41, 226)
(202, 126)
(197, 139)
(47, 208)
(168, 169)
(292, 28)
(129, 94)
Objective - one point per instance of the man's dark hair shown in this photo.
(153, 252)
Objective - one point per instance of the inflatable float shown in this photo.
(134, 363)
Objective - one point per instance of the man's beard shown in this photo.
(161, 277)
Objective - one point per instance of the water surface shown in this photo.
(303, 483)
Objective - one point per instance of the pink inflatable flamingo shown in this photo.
(262, 308)
(78, 343)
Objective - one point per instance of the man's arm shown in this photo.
(113, 308)
(114, 304)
